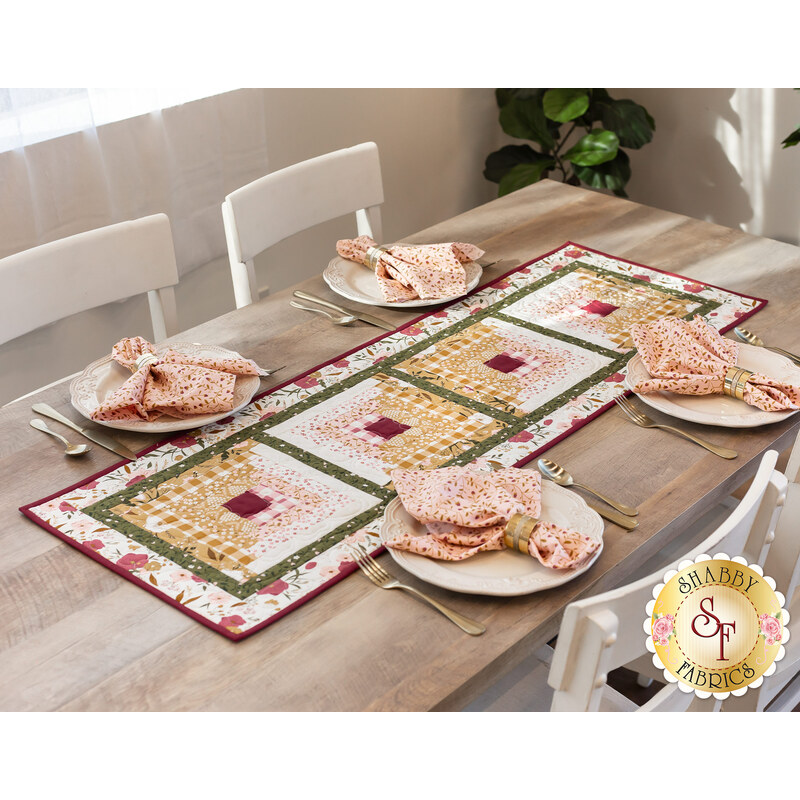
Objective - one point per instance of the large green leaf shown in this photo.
(792, 139)
(563, 105)
(504, 95)
(508, 157)
(523, 118)
(613, 174)
(523, 175)
(630, 121)
(596, 147)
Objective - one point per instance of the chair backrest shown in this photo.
(55, 280)
(604, 632)
(290, 200)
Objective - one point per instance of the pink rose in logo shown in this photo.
(662, 629)
(770, 629)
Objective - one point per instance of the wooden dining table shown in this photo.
(77, 637)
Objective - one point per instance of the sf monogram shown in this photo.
(721, 629)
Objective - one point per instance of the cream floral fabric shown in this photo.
(411, 272)
(175, 385)
(466, 511)
(692, 358)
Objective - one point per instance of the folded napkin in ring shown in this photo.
(691, 357)
(408, 272)
(468, 511)
(170, 383)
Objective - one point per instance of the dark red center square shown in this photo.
(504, 363)
(386, 428)
(599, 307)
(246, 504)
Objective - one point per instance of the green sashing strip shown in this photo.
(259, 432)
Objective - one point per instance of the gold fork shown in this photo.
(643, 421)
(381, 578)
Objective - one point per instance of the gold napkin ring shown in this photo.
(145, 359)
(734, 383)
(518, 532)
(373, 255)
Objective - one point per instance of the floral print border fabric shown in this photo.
(241, 521)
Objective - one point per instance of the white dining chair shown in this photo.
(601, 633)
(287, 201)
(61, 278)
(781, 691)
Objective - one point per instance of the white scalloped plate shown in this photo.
(717, 409)
(357, 282)
(499, 572)
(105, 375)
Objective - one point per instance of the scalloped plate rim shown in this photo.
(164, 424)
(445, 573)
(359, 297)
(752, 418)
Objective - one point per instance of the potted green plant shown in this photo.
(596, 126)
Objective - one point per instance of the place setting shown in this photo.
(147, 389)
(398, 276)
(688, 370)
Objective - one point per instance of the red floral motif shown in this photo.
(643, 277)
(135, 479)
(267, 415)
(95, 544)
(307, 382)
(522, 436)
(65, 506)
(311, 565)
(412, 330)
(617, 377)
(342, 362)
(132, 561)
(275, 588)
(693, 287)
(184, 441)
(232, 623)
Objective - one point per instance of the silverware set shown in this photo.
(343, 316)
(619, 513)
(383, 580)
(750, 338)
(643, 421)
(95, 436)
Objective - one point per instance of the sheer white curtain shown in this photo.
(106, 166)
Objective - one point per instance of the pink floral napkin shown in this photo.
(171, 383)
(693, 358)
(409, 272)
(466, 511)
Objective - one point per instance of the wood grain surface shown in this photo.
(74, 636)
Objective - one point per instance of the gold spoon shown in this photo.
(72, 449)
(750, 338)
(559, 475)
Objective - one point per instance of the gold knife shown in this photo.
(95, 436)
(342, 310)
(624, 521)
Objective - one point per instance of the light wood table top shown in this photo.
(75, 636)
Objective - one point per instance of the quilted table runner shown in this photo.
(239, 522)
